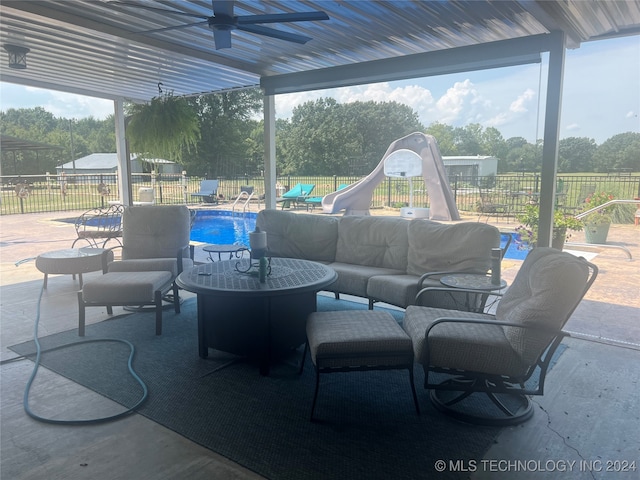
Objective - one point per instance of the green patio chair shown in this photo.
(317, 201)
(297, 195)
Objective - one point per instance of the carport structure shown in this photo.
(122, 50)
(12, 145)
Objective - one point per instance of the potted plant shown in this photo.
(527, 233)
(162, 128)
(597, 223)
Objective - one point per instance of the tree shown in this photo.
(226, 126)
(469, 139)
(576, 154)
(618, 152)
(524, 158)
(445, 136)
(492, 143)
(325, 137)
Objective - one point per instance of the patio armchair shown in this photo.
(98, 226)
(488, 206)
(155, 238)
(208, 191)
(504, 356)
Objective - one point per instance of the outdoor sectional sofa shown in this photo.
(380, 258)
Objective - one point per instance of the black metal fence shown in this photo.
(50, 193)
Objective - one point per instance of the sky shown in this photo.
(601, 95)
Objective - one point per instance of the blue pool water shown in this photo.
(512, 252)
(223, 227)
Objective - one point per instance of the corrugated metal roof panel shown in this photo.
(99, 48)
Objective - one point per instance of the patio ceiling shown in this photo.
(100, 48)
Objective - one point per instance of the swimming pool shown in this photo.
(512, 252)
(222, 227)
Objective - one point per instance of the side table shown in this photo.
(477, 288)
(232, 250)
(471, 281)
(73, 261)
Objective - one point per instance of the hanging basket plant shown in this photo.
(166, 127)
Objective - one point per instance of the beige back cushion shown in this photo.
(373, 241)
(461, 247)
(156, 231)
(548, 286)
(310, 237)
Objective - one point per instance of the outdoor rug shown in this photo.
(367, 425)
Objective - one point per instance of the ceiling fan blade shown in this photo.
(222, 7)
(222, 39)
(163, 10)
(271, 32)
(282, 17)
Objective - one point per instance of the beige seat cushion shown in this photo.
(159, 231)
(463, 346)
(151, 264)
(353, 279)
(353, 338)
(373, 241)
(121, 288)
(462, 247)
(310, 237)
(548, 286)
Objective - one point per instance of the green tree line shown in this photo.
(322, 137)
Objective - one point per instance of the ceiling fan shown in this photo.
(222, 22)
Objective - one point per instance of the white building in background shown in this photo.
(471, 166)
(107, 163)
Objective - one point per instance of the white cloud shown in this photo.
(572, 127)
(631, 114)
(461, 102)
(418, 98)
(517, 109)
(520, 104)
(76, 106)
(450, 106)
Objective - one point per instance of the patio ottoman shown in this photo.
(126, 288)
(357, 340)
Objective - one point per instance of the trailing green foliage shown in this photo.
(163, 128)
(527, 233)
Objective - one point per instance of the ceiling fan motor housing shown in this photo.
(223, 23)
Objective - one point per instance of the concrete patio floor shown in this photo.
(590, 413)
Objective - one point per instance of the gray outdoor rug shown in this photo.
(367, 428)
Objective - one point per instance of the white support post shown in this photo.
(269, 152)
(551, 139)
(124, 166)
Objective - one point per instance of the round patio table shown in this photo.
(240, 315)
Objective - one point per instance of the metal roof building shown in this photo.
(108, 163)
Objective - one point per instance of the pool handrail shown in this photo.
(244, 194)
